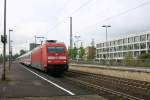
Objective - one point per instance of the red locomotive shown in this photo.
(51, 56)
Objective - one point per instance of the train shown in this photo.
(51, 56)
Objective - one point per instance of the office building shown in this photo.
(135, 44)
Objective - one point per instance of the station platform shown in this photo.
(142, 74)
(82, 97)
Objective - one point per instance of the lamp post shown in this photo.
(4, 40)
(11, 48)
(35, 42)
(10, 30)
(106, 26)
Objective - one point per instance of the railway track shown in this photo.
(109, 86)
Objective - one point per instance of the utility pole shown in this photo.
(35, 41)
(4, 40)
(11, 49)
(106, 26)
(10, 30)
(71, 41)
(77, 38)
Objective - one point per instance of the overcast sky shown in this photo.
(50, 18)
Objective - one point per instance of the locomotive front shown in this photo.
(57, 57)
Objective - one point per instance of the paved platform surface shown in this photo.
(122, 72)
(25, 83)
(123, 68)
(82, 97)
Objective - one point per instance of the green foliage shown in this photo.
(22, 52)
(141, 61)
(144, 60)
(15, 56)
(128, 60)
(144, 56)
(82, 52)
(72, 52)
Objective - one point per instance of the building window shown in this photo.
(112, 43)
(125, 40)
(117, 48)
(100, 50)
(104, 56)
(108, 44)
(148, 45)
(125, 54)
(143, 52)
(125, 47)
(111, 49)
(116, 42)
(111, 55)
(136, 46)
(97, 55)
(100, 56)
(102, 44)
(130, 40)
(114, 48)
(130, 47)
(120, 41)
(120, 48)
(97, 45)
(136, 39)
(142, 37)
(104, 49)
(115, 54)
(97, 51)
(143, 45)
(136, 53)
(148, 36)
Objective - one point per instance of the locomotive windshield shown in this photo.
(55, 49)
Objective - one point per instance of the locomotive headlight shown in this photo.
(62, 57)
(51, 57)
(49, 61)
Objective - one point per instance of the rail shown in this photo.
(121, 87)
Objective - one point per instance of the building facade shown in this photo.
(90, 53)
(134, 44)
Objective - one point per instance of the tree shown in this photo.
(15, 56)
(72, 52)
(82, 52)
(22, 52)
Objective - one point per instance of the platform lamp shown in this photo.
(106, 26)
(10, 30)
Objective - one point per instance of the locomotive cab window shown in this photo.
(51, 49)
(56, 49)
(59, 49)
